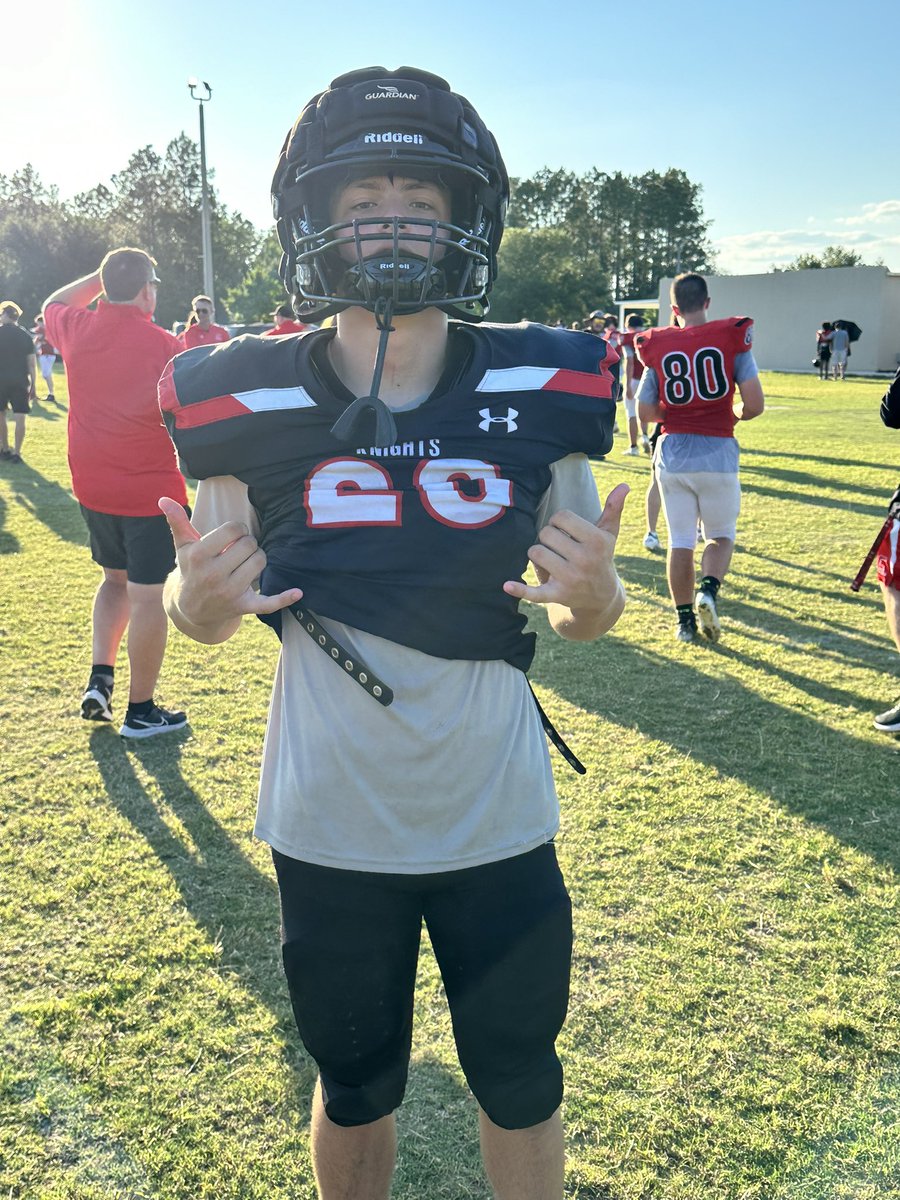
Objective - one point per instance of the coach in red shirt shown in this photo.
(121, 461)
(200, 329)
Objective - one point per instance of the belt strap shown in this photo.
(379, 690)
(354, 666)
(557, 739)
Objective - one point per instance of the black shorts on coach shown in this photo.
(15, 396)
(140, 546)
(502, 936)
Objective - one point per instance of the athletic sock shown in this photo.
(685, 613)
(710, 584)
(105, 672)
(140, 709)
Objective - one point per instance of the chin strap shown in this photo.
(385, 426)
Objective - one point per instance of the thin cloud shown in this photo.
(873, 232)
(884, 210)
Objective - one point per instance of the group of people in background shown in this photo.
(694, 474)
(201, 330)
(832, 350)
(23, 354)
(114, 356)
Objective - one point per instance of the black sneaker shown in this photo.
(889, 722)
(14, 458)
(157, 720)
(687, 630)
(96, 702)
(5, 454)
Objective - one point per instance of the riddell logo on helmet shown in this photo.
(388, 91)
(409, 139)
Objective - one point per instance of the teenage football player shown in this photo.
(689, 385)
(389, 479)
(634, 369)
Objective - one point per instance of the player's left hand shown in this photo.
(574, 559)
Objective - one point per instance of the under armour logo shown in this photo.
(489, 419)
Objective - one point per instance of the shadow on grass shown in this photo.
(437, 1127)
(851, 505)
(809, 568)
(229, 897)
(795, 456)
(9, 543)
(854, 646)
(46, 501)
(43, 409)
(810, 481)
(836, 780)
(237, 904)
(841, 594)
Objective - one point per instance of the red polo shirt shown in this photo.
(284, 328)
(120, 455)
(195, 336)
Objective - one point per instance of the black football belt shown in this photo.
(380, 691)
(351, 663)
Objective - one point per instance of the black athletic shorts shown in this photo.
(140, 546)
(14, 396)
(502, 936)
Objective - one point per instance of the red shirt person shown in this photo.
(200, 329)
(285, 323)
(121, 461)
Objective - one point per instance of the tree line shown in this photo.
(573, 243)
(580, 242)
(154, 203)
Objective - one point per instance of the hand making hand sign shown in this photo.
(212, 587)
(577, 576)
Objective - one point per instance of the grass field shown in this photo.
(732, 856)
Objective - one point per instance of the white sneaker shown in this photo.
(651, 541)
(632, 450)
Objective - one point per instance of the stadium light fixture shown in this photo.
(202, 98)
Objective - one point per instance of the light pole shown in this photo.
(205, 230)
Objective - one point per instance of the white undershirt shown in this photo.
(454, 773)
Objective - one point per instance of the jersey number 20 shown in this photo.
(464, 493)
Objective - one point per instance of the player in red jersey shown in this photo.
(634, 369)
(689, 386)
(200, 330)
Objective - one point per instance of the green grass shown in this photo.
(732, 856)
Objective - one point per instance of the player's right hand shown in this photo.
(218, 571)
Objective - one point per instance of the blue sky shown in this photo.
(784, 112)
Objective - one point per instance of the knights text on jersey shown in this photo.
(695, 372)
(413, 541)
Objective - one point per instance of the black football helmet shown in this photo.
(404, 122)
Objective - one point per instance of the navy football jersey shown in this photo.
(413, 541)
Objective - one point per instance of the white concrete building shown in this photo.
(788, 307)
